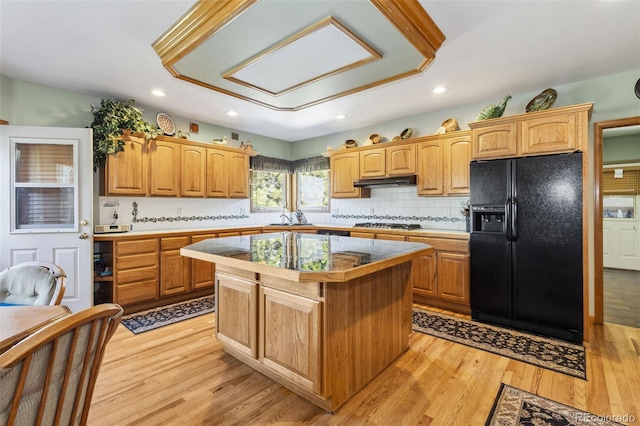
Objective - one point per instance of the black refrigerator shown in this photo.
(526, 244)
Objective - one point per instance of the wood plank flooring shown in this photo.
(622, 296)
(179, 375)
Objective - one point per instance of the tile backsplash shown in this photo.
(392, 204)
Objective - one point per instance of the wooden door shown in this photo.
(164, 158)
(496, 141)
(193, 171)
(290, 337)
(457, 157)
(238, 175)
(175, 270)
(431, 168)
(424, 276)
(217, 173)
(549, 134)
(401, 160)
(345, 168)
(372, 163)
(202, 272)
(127, 172)
(236, 313)
(453, 276)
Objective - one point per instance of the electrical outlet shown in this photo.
(371, 211)
(115, 214)
(179, 211)
(447, 212)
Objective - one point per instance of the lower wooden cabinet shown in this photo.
(236, 313)
(292, 351)
(175, 270)
(136, 271)
(202, 272)
(442, 278)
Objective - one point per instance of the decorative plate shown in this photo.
(166, 124)
(406, 133)
(638, 88)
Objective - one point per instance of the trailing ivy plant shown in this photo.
(109, 121)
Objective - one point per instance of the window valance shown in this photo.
(269, 164)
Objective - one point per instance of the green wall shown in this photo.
(621, 148)
(23, 103)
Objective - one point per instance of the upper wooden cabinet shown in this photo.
(550, 131)
(238, 175)
(227, 174)
(173, 167)
(127, 172)
(193, 171)
(164, 168)
(345, 168)
(443, 164)
(389, 161)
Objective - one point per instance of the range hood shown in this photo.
(386, 181)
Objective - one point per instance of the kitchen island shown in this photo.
(320, 314)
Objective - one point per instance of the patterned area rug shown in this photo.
(552, 354)
(164, 315)
(514, 406)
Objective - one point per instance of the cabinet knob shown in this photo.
(83, 236)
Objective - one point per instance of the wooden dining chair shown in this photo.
(48, 378)
(32, 283)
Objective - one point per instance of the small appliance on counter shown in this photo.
(105, 229)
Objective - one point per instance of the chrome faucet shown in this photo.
(290, 219)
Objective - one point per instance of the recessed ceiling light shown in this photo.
(440, 89)
(232, 113)
(157, 92)
(341, 116)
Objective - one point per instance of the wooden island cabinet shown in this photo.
(320, 314)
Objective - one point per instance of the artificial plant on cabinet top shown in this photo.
(109, 122)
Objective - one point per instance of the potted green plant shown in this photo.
(110, 120)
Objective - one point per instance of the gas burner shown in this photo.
(388, 225)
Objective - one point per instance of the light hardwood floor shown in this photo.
(179, 375)
(622, 297)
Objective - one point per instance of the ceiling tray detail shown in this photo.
(288, 56)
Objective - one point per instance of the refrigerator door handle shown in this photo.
(514, 219)
(507, 218)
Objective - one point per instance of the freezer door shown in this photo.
(547, 247)
(490, 283)
(489, 182)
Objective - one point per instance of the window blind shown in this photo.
(44, 163)
(629, 184)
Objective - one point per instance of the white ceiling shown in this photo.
(492, 48)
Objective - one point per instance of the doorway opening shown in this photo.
(619, 281)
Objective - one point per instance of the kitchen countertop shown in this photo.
(306, 257)
(423, 232)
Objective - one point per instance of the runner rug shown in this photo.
(164, 315)
(556, 355)
(514, 406)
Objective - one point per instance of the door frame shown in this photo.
(598, 261)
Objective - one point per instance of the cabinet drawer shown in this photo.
(137, 292)
(124, 248)
(443, 244)
(139, 274)
(136, 261)
(173, 243)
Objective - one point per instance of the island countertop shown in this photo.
(306, 257)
